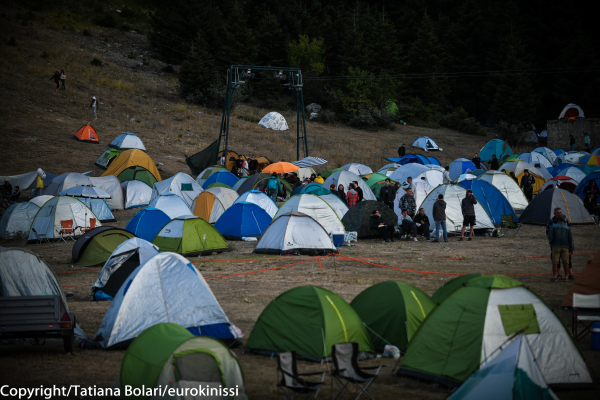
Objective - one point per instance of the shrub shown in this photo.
(86, 32)
(106, 19)
(509, 132)
(97, 62)
(368, 119)
(249, 118)
(12, 41)
(459, 120)
(326, 116)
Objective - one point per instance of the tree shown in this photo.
(307, 55)
(197, 72)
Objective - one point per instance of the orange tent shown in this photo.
(231, 160)
(87, 134)
(131, 158)
(588, 282)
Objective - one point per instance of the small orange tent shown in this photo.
(130, 158)
(87, 134)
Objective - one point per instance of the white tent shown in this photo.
(574, 173)
(538, 160)
(17, 219)
(548, 153)
(180, 184)
(64, 182)
(433, 176)
(304, 173)
(508, 187)
(519, 166)
(347, 177)
(23, 273)
(223, 199)
(460, 166)
(421, 190)
(426, 143)
(125, 259)
(275, 121)
(160, 290)
(338, 205)
(99, 207)
(576, 110)
(40, 200)
(465, 177)
(111, 185)
(573, 157)
(203, 176)
(358, 169)
(170, 204)
(126, 141)
(295, 233)
(388, 169)
(453, 195)
(137, 193)
(314, 207)
(60, 208)
(260, 199)
(512, 374)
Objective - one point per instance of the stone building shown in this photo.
(559, 131)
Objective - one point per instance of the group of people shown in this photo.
(59, 79)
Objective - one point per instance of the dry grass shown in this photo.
(36, 130)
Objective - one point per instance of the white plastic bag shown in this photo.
(390, 351)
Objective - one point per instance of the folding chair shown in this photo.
(67, 230)
(508, 225)
(347, 374)
(40, 237)
(291, 385)
(92, 226)
(589, 305)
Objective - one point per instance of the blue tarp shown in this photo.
(147, 223)
(497, 147)
(225, 177)
(585, 182)
(414, 158)
(491, 199)
(100, 208)
(243, 220)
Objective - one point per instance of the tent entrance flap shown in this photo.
(517, 317)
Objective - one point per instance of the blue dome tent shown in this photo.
(414, 158)
(147, 223)
(491, 199)
(225, 177)
(496, 146)
(243, 220)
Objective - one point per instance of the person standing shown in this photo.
(387, 194)
(467, 207)
(408, 203)
(401, 151)
(273, 187)
(571, 143)
(477, 161)
(341, 192)
(439, 217)
(16, 195)
(560, 238)
(56, 77)
(94, 107)
(494, 164)
(407, 225)
(358, 190)
(352, 196)
(377, 222)
(527, 182)
(549, 225)
(422, 223)
(253, 165)
(63, 78)
(586, 141)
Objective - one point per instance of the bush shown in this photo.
(509, 132)
(249, 118)
(368, 119)
(12, 41)
(86, 32)
(459, 120)
(106, 19)
(326, 116)
(97, 62)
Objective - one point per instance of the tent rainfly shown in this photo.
(170, 204)
(180, 184)
(17, 219)
(314, 207)
(275, 121)
(127, 141)
(508, 187)
(132, 158)
(426, 143)
(147, 223)
(541, 208)
(112, 186)
(260, 199)
(137, 194)
(243, 220)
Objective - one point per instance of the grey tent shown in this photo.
(541, 208)
(23, 273)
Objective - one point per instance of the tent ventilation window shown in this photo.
(517, 317)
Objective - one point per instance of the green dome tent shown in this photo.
(309, 320)
(449, 287)
(190, 236)
(327, 173)
(106, 158)
(218, 185)
(392, 312)
(96, 245)
(478, 318)
(167, 354)
(137, 173)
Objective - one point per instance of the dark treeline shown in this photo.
(513, 61)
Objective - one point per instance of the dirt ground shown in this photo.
(36, 130)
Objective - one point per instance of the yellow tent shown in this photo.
(518, 167)
(210, 204)
(131, 158)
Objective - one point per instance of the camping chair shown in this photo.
(590, 306)
(40, 237)
(291, 385)
(347, 374)
(92, 226)
(508, 225)
(67, 230)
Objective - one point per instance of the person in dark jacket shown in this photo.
(377, 222)
(252, 165)
(422, 223)
(494, 164)
(560, 238)
(551, 222)
(468, 211)
(527, 182)
(387, 194)
(273, 187)
(591, 205)
(407, 225)
(408, 203)
(359, 191)
(56, 77)
(342, 192)
(439, 217)
(477, 161)
(571, 143)
(16, 195)
(401, 151)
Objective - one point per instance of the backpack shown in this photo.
(273, 184)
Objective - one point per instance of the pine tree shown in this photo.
(197, 72)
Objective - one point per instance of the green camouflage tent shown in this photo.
(358, 218)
